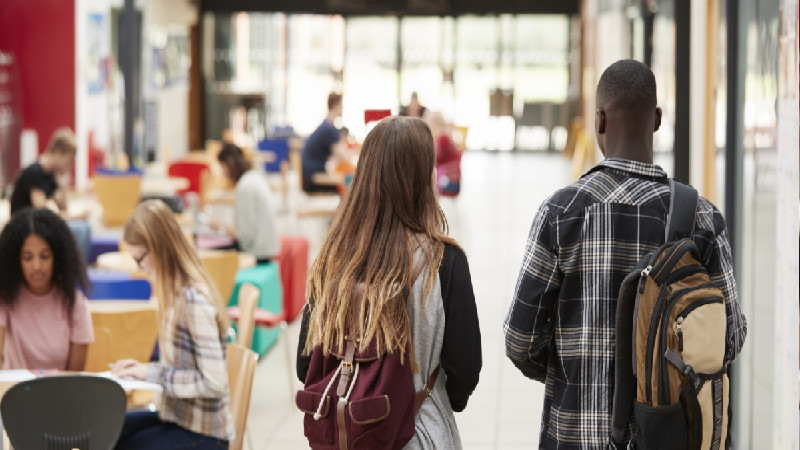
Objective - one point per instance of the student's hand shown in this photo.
(129, 368)
(215, 224)
(220, 226)
(80, 215)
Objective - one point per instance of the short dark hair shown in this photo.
(233, 157)
(69, 269)
(334, 98)
(628, 85)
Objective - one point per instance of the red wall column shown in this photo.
(41, 36)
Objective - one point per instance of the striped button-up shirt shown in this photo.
(193, 371)
(560, 328)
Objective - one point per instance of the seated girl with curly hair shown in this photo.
(44, 318)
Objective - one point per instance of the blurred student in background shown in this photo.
(193, 411)
(48, 179)
(448, 156)
(323, 145)
(254, 228)
(414, 108)
(44, 318)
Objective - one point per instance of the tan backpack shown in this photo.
(671, 359)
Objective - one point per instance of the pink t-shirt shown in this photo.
(38, 332)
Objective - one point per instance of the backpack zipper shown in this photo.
(685, 312)
(655, 319)
(664, 266)
(706, 301)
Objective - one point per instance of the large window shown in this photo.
(370, 69)
(279, 69)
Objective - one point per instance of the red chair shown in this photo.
(293, 265)
(371, 115)
(192, 171)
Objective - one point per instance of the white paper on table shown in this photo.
(16, 376)
(132, 385)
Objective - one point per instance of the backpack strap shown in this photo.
(427, 390)
(624, 380)
(682, 211)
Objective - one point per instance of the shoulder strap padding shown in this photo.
(682, 211)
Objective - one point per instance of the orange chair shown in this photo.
(118, 194)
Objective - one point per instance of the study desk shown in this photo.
(163, 185)
(156, 185)
(124, 262)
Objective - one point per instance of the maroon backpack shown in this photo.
(360, 400)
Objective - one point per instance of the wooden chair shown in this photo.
(118, 194)
(248, 301)
(98, 355)
(133, 330)
(460, 137)
(222, 266)
(241, 370)
(263, 318)
(133, 326)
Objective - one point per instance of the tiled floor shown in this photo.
(490, 219)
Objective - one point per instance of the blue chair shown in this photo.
(278, 146)
(103, 243)
(113, 285)
(108, 171)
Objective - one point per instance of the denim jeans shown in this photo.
(83, 236)
(144, 430)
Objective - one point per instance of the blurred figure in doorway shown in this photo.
(448, 155)
(414, 108)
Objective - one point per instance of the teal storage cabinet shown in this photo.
(267, 279)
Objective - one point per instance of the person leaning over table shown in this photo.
(194, 410)
(48, 179)
(44, 318)
(254, 231)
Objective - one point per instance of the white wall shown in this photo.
(172, 103)
(91, 109)
(697, 95)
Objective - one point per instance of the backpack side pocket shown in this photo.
(660, 427)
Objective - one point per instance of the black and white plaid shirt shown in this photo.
(560, 328)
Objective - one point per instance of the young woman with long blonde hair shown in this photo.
(388, 273)
(194, 408)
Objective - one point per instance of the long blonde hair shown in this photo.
(362, 278)
(176, 264)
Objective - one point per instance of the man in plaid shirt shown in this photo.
(584, 239)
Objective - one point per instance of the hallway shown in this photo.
(490, 219)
